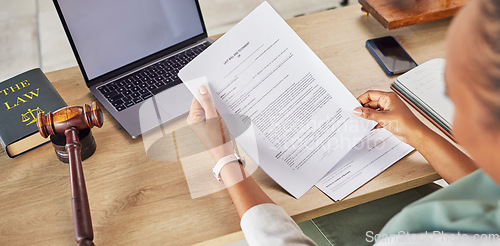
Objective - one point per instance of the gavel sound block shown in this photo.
(71, 121)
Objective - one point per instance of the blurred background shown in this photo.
(31, 34)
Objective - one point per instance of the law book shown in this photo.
(424, 88)
(21, 99)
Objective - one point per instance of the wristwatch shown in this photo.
(225, 160)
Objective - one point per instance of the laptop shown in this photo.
(130, 51)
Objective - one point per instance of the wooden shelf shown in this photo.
(394, 14)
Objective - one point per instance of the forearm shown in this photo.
(244, 191)
(448, 161)
(262, 225)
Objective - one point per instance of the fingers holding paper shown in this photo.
(208, 126)
(391, 113)
(207, 103)
(196, 113)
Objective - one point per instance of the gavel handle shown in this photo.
(79, 200)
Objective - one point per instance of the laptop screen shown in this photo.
(109, 34)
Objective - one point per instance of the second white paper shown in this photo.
(371, 156)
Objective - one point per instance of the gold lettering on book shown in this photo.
(31, 94)
(14, 88)
(23, 99)
(30, 116)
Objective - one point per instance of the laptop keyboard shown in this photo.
(143, 84)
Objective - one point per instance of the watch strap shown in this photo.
(223, 161)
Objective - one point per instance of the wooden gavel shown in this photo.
(69, 121)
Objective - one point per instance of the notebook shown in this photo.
(130, 51)
(424, 88)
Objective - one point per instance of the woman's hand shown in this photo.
(209, 127)
(392, 114)
(212, 132)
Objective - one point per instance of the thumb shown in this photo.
(207, 103)
(367, 113)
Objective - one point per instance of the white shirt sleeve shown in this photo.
(269, 224)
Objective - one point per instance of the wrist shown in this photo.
(221, 151)
(227, 163)
(232, 173)
(419, 136)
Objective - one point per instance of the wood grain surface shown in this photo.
(139, 199)
(394, 14)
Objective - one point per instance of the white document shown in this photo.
(375, 153)
(260, 73)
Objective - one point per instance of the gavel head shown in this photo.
(77, 117)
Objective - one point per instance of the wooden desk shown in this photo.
(139, 201)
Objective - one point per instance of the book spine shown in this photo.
(426, 115)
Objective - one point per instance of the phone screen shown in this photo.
(388, 52)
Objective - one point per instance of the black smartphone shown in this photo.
(390, 55)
